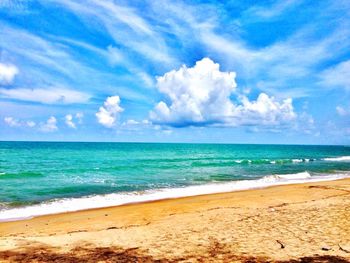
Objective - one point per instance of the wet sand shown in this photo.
(294, 223)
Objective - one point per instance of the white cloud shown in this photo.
(46, 96)
(198, 95)
(124, 25)
(134, 125)
(30, 124)
(108, 113)
(291, 60)
(201, 96)
(13, 122)
(69, 121)
(264, 111)
(79, 116)
(115, 56)
(274, 10)
(337, 77)
(131, 122)
(50, 125)
(341, 111)
(7, 73)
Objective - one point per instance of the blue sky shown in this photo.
(175, 71)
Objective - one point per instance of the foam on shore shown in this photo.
(338, 159)
(116, 199)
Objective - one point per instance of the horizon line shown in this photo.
(146, 142)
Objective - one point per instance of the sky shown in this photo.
(237, 71)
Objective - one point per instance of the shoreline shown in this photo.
(309, 220)
(69, 205)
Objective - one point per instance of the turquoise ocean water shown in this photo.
(50, 177)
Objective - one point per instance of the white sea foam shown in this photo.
(98, 201)
(338, 159)
(296, 176)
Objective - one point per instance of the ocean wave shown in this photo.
(273, 161)
(338, 159)
(116, 199)
(296, 176)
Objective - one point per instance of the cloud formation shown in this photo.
(46, 96)
(13, 122)
(264, 111)
(7, 73)
(69, 121)
(198, 95)
(50, 125)
(79, 116)
(72, 120)
(109, 112)
(201, 96)
(337, 76)
(342, 111)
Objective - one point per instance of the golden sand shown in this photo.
(294, 223)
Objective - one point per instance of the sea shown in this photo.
(38, 178)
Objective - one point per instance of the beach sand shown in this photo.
(293, 223)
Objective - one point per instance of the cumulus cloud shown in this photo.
(46, 96)
(264, 111)
(69, 121)
(7, 73)
(109, 112)
(13, 122)
(198, 95)
(72, 120)
(50, 125)
(201, 96)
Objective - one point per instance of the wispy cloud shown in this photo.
(54, 61)
(342, 111)
(336, 76)
(274, 10)
(284, 64)
(120, 47)
(46, 96)
(125, 26)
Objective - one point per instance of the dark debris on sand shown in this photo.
(113, 254)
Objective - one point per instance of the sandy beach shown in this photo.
(293, 223)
